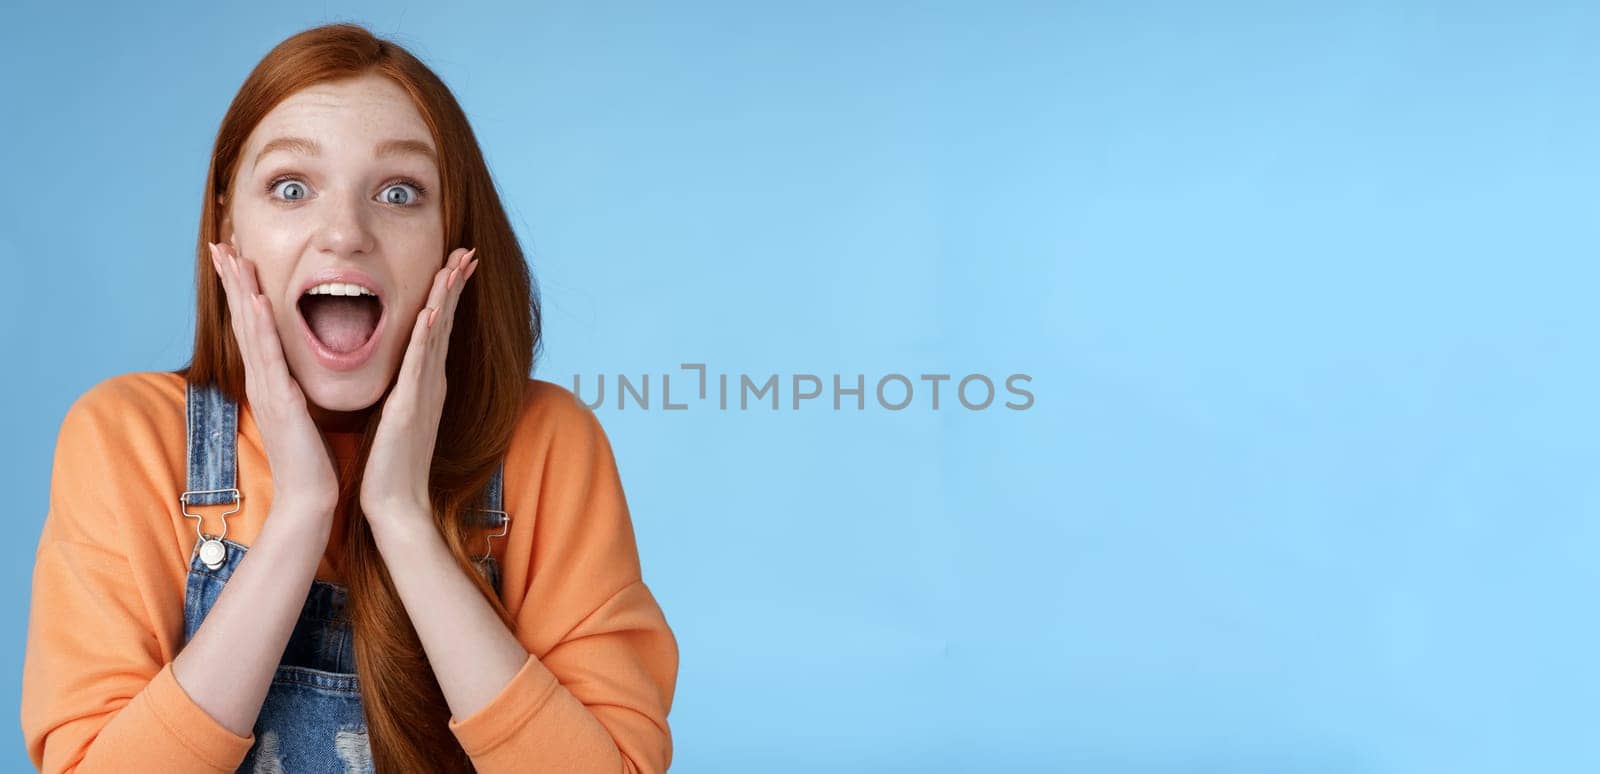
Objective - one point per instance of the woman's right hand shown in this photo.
(302, 469)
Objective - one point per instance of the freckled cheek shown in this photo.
(287, 312)
(416, 293)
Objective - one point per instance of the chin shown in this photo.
(345, 392)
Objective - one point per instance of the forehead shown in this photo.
(350, 115)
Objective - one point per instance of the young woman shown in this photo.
(301, 552)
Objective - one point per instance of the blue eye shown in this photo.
(405, 197)
(297, 185)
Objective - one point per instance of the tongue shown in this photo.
(341, 323)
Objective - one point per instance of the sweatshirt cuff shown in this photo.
(209, 740)
(509, 711)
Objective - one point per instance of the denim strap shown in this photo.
(494, 517)
(213, 422)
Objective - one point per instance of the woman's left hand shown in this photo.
(394, 486)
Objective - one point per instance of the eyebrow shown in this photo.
(309, 147)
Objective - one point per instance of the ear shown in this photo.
(226, 229)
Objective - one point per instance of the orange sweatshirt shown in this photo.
(98, 691)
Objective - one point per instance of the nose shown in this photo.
(344, 228)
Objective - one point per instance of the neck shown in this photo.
(338, 421)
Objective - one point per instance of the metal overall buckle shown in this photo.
(212, 551)
(505, 525)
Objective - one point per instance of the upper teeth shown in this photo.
(339, 289)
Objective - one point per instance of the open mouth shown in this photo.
(342, 320)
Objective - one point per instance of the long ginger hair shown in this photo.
(492, 349)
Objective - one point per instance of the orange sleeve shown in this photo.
(597, 698)
(97, 692)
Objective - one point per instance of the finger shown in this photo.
(247, 276)
(417, 356)
(440, 287)
(261, 334)
(464, 271)
(238, 311)
(444, 319)
(452, 269)
(270, 346)
(249, 314)
(224, 275)
(416, 347)
(230, 283)
(452, 280)
(264, 325)
(455, 263)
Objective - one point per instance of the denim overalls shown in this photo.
(312, 719)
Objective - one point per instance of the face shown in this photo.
(339, 182)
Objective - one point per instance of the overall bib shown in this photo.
(313, 719)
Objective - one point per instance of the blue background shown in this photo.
(1306, 292)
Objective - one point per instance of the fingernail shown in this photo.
(431, 316)
(450, 279)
